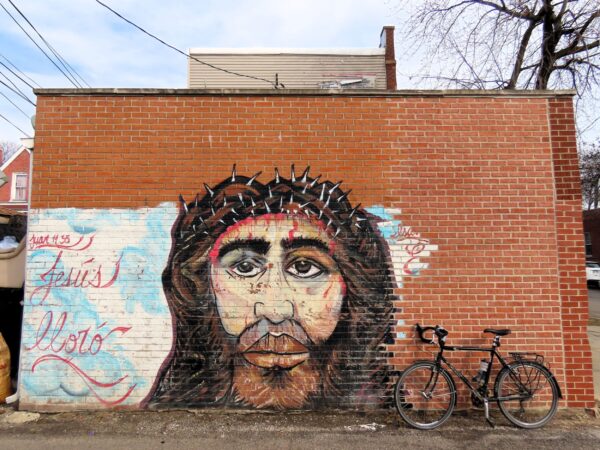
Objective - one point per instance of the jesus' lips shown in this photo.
(276, 351)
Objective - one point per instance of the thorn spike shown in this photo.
(183, 203)
(343, 196)
(304, 205)
(270, 193)
(354, 210)
(335, 186)
(276, 175)
(315, 181)
(267, 206)
(305, 174)
(330, 222)
(233, 174)
(196, 201)
(293, 175)
(327, 202)
(280, 203)
(253, 204)
(337, 232)
(322, 193)
(292, 197)
(254, 177)
(209, 190)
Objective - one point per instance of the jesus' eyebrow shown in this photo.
(257, 245)
(289, 244)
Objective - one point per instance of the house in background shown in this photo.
(14, 189)
(332, 68)
(591, 228)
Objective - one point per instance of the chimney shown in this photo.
(387, 42)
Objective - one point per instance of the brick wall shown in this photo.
(470, 205)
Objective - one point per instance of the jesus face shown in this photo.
(279, 291)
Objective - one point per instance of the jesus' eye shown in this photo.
(305, 268)
(247, 268)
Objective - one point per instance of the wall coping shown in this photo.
(70, 92)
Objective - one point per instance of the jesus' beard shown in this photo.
(275, 366)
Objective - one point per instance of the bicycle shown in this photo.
(525, 390)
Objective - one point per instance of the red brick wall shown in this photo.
(573, 288)
(492, 181)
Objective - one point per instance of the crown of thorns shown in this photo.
(239, 197)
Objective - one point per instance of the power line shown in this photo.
(62, 60)
(22, 94)
(40, 48)
(15, 105)
(1, 116)
(19, 70)
(12, 71)
(276, 85)
(19, 93)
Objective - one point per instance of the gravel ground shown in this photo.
(184, 429)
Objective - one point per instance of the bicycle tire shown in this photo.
(522, 378)
(419, 405)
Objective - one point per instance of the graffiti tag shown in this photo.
(61, 241)
(412, 243)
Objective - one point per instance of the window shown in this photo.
(19, 187)
(588, 244)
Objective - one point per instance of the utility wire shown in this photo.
(20, 94)
(275, 85)
(14, 104)
(62, 60)
(18, 70)
(40, 48)
(26, 134)
(16, 75)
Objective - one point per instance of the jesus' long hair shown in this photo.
(352, 362)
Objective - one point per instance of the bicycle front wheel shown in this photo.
(425, 395)
(527, 394)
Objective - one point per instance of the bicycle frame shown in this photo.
(441, 359)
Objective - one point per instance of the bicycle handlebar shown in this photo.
(440, 332)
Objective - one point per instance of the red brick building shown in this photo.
(475, 192)
(14, 194)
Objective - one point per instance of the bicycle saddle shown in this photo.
(501, 332)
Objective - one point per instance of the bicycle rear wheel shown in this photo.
(530, 393)
(425, 396)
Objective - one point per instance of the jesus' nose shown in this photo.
(274, 310)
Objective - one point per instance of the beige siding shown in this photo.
(296, 71)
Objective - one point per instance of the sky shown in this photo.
(107, 52)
